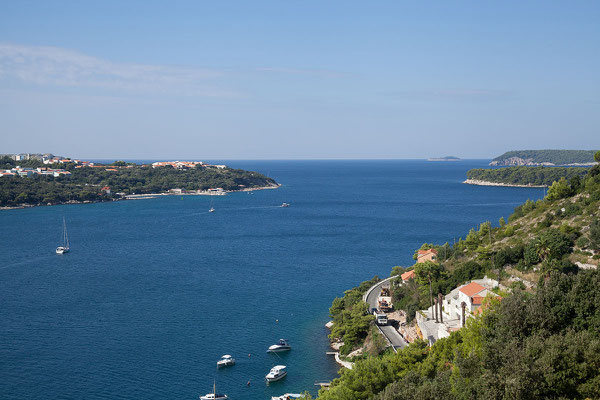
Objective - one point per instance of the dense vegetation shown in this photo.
(528, 346)
(557, 157)
(351, 317)
(85, 183)
(536, 176)
(535, 344)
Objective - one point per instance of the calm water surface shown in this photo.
(155, 291)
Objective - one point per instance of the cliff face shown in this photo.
(518, 161)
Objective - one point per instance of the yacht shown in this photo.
(276, 373)
(65, 247)
(285, 204)
(287, 396)
(281, 346)
(214, 395)
(226, 361)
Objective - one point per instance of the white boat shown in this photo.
(285, 204)
(283, 345)
(226, 361)
(211, 210)
(287, 396)
(214, 395)
(65, 247)
(276, 373)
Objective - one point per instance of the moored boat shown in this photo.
(226, 361)
(276, 373)
(287, 396)
(283, 345)
(65, 247)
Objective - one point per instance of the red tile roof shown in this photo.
(422, 252)
(472, 289)
(477, 300)
(408, 275)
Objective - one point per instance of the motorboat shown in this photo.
(283, 345)
(226, 361)
(285, 204)
(214, 395)
(287, 396)
(276, 373)
(65, 247)
(211, 210)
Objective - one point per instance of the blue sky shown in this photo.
(298, 79)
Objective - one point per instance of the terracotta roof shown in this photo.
(472, 289)
(434, 251)
(408, 275)
(477, 300)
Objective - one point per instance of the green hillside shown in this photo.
(541, 341)
(535, 176)
(556, 157)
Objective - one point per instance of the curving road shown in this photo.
(392, 335)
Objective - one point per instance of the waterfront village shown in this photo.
(52, 160)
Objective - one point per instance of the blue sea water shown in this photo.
(155, 291)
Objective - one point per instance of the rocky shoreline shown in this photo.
(487, 183)
(136, 197)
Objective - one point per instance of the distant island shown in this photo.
(33, 180)
(545, 158)
(447, 158)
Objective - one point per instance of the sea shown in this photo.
(155, 291)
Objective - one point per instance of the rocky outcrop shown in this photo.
(518, 161)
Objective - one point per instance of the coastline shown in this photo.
(141, 197)
(487, 183)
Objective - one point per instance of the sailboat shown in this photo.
(65, 247)
(212, 209)
(214, 395)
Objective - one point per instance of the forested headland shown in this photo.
(535, 176)
(541, 340)
(547, 157)
(85, 184)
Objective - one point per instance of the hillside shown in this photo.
(534, 176)
(540, 341)
(544, 157)
(85, 184)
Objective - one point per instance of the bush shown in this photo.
(595, 235)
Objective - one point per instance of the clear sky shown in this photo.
(298, 79)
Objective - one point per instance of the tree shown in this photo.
(595, 234)
(559, 190)
(597, 156)
(502, 222)
(425, 273)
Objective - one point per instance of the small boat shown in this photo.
(214, 395)
(276, 373)
(287, 396)
(285, 204)
(226, 361)
(283, 345)
(211, 210)
(65, 247)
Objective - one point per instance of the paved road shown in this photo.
(389, 331)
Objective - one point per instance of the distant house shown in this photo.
(408, 275)
(426, 255)
(105, 190)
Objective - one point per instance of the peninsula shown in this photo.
(523, 176)
(33, 180)
(545, 158)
